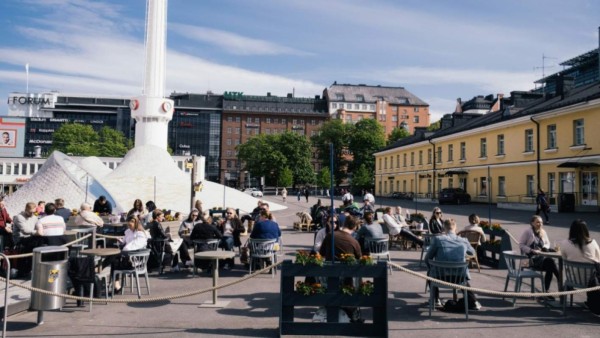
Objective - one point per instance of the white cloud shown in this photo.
(231, 42)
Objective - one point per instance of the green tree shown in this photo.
(76, 139)
(324, 178)
(262, 158)
(286, 178)
(335, 132)
(367, 137)
(434, 126)
(297, 151)
(397, 134)
(362, 178)
(112, 142)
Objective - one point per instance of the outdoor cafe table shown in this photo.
(215, 256)
(101, 253)
(558, 256)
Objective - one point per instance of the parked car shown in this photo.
(453, 195)
(254, 192)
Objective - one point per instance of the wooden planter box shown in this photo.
(492, 253)
(333, 299)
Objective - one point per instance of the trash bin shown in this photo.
(50, 274)
(566, 202)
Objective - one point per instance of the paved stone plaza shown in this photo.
(253, 310)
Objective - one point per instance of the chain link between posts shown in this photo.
(273, 266)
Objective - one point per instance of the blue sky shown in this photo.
(438, 50)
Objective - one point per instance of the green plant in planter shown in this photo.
(417, 216)
(496, 227)
(308, 289)
(306, 258)
(348, 259)
(348, 290)
(366, 288)
(484, 224)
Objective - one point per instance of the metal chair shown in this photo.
(204, 245)
(139, 263)
(451, 272)
(516, 270)
(261, 250)
(473, 237)
(577, 275)
(379, 248)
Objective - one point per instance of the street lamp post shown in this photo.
(224, 187)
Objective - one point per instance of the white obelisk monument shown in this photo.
(152, 111)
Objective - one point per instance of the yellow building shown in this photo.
(529, 140)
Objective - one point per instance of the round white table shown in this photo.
(215, 256)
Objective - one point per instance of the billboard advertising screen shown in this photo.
(12, 136)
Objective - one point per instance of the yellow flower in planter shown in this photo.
(496, 226)
(308, 289)
(306, 258)
(366, 260)
(366, 288)
(348, 259)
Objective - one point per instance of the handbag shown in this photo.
(245, 254)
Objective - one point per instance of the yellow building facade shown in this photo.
(504, 156)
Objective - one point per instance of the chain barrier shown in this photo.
(64, 245)
(243, 279)
(145, 300)
(492, 292)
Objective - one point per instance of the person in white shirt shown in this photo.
(397, 228)
(51, 226)
(87, 217)
(580, 247)
(369, 197)
(135, 239)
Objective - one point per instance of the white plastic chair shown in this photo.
(518, 271)
(261, 250)
(139, 262)
(451, 272)
(379, 248)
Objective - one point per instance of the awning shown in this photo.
(456, 172)
(578, 164)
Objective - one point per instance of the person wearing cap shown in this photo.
(102, 206)
(371, 229)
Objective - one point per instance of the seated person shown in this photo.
(451, 248)
(157, 232)
(102, 206)
(580, 247)
(265, 228)
(204, 231)
(474, 226)
(436, 223)
(367, 207)
(135, 239)
(51, 226)
(370, 229)
(231, 228)
(61, 210)
(397, 228)
(320, 235)
(24, 236)
(533, 240)
(88, 217)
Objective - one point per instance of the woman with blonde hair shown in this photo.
(533, 241)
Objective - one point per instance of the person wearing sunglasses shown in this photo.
(436, 223)
(231, 228)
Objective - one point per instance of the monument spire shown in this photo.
(152, 111)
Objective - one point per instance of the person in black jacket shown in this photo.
(436, 223)
(102, 206)
(157, 232)
(204, 231)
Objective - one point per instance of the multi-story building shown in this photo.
(393, 107)
(528, 141)
(245, 116)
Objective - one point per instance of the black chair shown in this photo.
(157, 254)
(82, 272)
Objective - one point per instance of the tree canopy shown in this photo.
(336, 133)
(367, 138)
(397, 134)
(268, 155)
(324, 178)
(83, 140)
